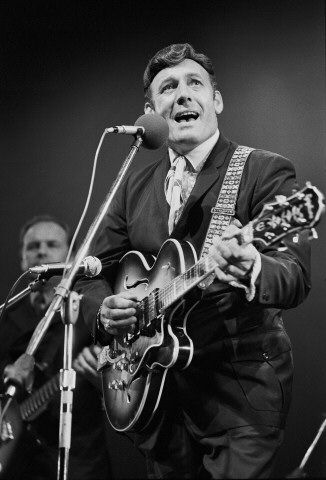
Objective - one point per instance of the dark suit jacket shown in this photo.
(242, 367)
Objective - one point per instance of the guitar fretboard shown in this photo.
(38, 399)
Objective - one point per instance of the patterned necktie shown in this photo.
(173, 189)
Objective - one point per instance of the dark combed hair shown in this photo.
(40, 219)
(173, 55)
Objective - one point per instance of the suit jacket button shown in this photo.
(265, 356)
(265, 296)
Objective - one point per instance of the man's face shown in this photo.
(184, 96)
(44, 242)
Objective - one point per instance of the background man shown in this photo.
(222, 417)
(44, 239)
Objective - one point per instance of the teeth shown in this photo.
(186, 116)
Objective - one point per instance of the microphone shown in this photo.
(126, 129)
(153, 129)
(90, 266)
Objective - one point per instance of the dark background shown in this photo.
(70, 70)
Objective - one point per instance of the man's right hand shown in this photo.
(118, 313)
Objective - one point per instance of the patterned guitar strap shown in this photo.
(224, 210)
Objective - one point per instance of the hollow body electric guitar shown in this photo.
(134, 365)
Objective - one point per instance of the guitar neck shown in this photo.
(184, 282)
(33, 404)
(159, 300)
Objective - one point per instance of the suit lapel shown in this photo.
(206, 179)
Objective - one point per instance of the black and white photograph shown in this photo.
(163, 273)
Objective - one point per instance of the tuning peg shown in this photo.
(282, 247)
(313, 234)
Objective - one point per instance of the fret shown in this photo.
(174, 289)
(33, 405)
(179, 285)
(157, 300)
(153, 305)
(146, 315)
(140, 315)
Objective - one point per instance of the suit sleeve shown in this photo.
(284, 280)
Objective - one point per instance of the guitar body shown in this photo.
(134, 367)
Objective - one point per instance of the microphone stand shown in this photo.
(61, 294)
(299, 472)
(69, 313)
(32, 287)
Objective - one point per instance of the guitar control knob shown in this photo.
(295, 239)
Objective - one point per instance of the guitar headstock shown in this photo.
(300, 211)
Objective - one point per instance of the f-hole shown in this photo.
(128, 286)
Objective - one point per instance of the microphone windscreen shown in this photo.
(156, 130)
(93, 266)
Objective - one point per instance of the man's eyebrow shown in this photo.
(174, 78)
(166, 80)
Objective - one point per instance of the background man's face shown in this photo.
(44, 242)
(184, 96)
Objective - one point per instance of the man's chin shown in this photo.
(185, 140)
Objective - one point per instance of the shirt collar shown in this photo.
(198, 156)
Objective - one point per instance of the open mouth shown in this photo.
(186, 116)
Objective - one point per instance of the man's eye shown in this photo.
(194, 81)
(53, 245)
(32, 246)
(169, 86)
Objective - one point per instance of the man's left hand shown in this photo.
(234, 255)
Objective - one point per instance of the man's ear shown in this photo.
(148, 108)
(218, 102)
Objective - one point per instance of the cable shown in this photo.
(90, 191)
(10, 293)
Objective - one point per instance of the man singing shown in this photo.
(224, 415)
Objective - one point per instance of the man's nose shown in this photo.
(183, 94)
(42, 250)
